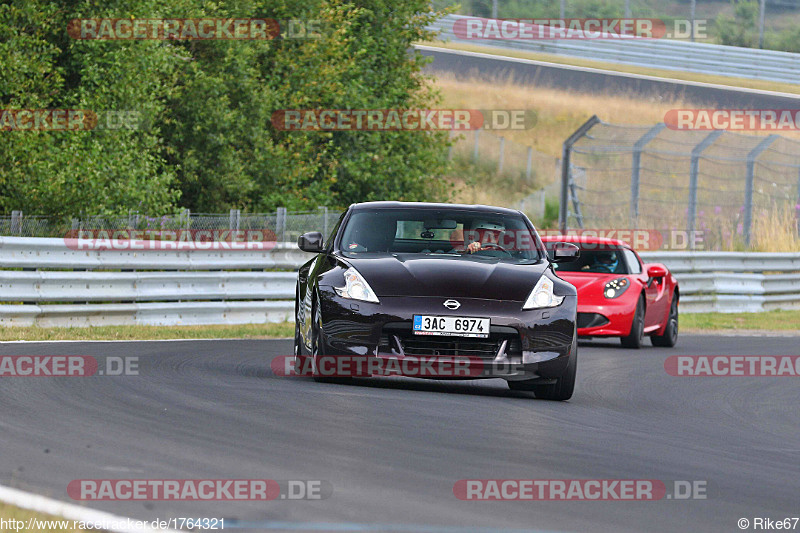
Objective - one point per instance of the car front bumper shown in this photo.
(523, 344)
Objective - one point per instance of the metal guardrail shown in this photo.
(733, 282)
(655, 53)
(192, 286)
(45, 253)
(196, 286)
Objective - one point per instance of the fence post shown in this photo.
(566, 153)
(475, 148)
(748, 186)
(280, 224)
(324, 221)
(636, 168)
(186, 215)
(233, 219)
(693, 170)
(529, 166)
(502, 153)
(16, 222)
(576, 203)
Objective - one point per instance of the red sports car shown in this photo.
(618, 295)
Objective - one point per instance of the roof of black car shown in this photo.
(428, 205)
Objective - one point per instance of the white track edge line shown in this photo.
(35, 502)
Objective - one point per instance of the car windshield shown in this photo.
(597, 259)
(451, 232)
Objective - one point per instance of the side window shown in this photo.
(633, 262)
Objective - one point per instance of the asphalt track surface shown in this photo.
(597, 81)
(393, 448)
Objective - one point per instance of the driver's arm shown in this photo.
(474, 247)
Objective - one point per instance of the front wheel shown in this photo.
(636, 337)
(670, 336)
(561, 390)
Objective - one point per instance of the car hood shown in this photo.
(448, 277)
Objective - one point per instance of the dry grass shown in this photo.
(559, 112)
(10, 512)
(770, 321)
(775, 231)
(243, 331)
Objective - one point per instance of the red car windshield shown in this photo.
(604, 260)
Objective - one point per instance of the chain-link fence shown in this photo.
(737, 190)
(280, 225)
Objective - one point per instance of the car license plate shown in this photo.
(451, 325)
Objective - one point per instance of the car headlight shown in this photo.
(356, 287)
(542, 295)
(615, 288)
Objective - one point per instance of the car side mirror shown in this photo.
(310, 242)
(564, 252)
(656, 271)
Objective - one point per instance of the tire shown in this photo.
(562, 389)
(316, 338)
(299, 358)
(318, 348)
(670, 336)
(635, 338)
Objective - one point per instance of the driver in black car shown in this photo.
(488, 241)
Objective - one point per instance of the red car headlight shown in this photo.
(615, 288)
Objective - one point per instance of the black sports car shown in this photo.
(416, 282)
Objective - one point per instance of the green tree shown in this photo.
(740, 30)
(210, 144)
(69, 172)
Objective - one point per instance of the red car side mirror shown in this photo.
(656, 271)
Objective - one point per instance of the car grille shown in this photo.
(591, 320)
(431, 345)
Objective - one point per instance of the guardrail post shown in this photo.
(566, 154)
(636, 168)
(16, 222)
(502, 154)
(280, 224)
(324, 221)
(529, 166)
(693, 171)
(748, 186)
(475, 147)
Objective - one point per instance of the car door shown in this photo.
(653, 291)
